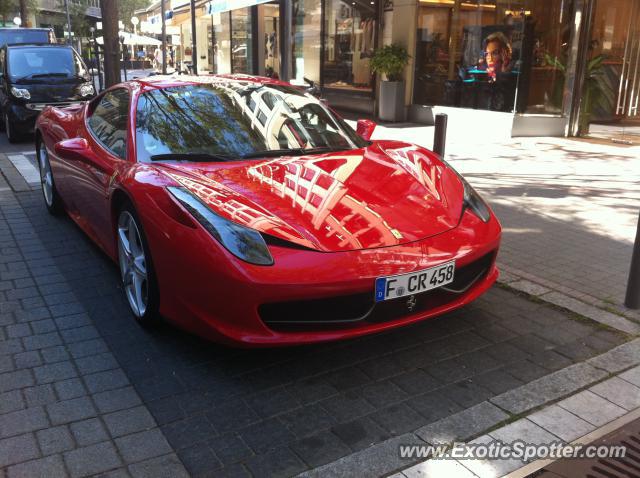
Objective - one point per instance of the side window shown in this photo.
(2, 54)
(109, 119)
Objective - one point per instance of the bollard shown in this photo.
(632, 299)
(440, 134)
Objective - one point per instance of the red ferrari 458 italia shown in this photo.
(246, 211)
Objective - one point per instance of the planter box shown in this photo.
(391, 102)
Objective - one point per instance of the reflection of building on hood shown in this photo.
(498, 54)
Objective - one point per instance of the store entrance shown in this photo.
(611, 93)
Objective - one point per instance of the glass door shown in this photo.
(609, 107)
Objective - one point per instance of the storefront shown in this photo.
(555, 65)
(524, 67)
(331, 42)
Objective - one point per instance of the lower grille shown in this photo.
(347, 311)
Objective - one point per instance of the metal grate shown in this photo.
(629, 466)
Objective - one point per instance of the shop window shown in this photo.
(495, 54)
(350, 35)
(271, 40)
(241, 50)
(307, 15)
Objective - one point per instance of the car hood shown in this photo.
(387, 194)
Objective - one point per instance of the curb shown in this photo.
(509, 275)
(533, 288)
(13, 177)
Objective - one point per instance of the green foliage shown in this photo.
(127, 9)
(11, 8)
(598, 92)
(390, 60)
(79, 22)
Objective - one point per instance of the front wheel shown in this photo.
(136, 268)
(51, 198)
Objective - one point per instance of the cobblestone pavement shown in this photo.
(85, 390)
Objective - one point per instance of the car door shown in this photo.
(107, 126)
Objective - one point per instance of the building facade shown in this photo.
(526, 67)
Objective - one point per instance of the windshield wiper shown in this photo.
(292, 151)
(32, 76)
(196, 157)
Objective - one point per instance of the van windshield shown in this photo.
(29, 63)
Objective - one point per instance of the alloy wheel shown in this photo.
(46, 177)
(133, 264)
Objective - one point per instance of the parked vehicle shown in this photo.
(16, 36)
(34, 76)
(246, 211)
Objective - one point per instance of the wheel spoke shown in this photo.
(128, 278)
(139, 265)
(138, 293)
(124, 241)
(133, 238)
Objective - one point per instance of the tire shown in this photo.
(12, 134)
(49, 192)
(136, 267)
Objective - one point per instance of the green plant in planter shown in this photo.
(598, 92)
(390, 60)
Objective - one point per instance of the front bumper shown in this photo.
(208, 292)
(23, 119)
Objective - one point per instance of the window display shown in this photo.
(496, 55)
(350, 38)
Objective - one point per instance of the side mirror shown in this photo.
(365, 128)
(73, 149)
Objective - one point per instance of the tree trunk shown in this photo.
(111, 42)
(23, 13)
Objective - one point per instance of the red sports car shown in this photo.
(246, 211)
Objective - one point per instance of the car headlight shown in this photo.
(86, 89)
(474, 202)
(244, 243)
(20, 93)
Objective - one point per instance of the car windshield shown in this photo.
(232, 120)
(15, 36)
(42, 62)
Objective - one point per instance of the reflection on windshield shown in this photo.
(40, 62)
(236, 119)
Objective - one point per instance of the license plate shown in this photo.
(414, 282)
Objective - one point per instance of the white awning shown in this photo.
(133, 39)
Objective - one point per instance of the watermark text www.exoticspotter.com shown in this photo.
(519, 449)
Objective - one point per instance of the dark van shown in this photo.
(34, 76)
(15, 36)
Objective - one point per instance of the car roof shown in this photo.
(45, 29)
(32, 44)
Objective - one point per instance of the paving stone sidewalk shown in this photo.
(561, 407)
(86, 390)
(66, 406)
